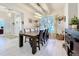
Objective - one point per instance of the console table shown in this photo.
(72, 42)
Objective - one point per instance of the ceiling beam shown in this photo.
(43, 7)
(32, 7)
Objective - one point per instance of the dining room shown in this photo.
(32, 29)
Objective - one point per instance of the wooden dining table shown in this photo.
(32, 36)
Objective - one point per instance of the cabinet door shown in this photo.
(76, 48)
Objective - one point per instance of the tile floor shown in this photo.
(10, 47)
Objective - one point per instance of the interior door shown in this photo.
(18, 24)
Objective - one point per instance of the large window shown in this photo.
(51, 23)
(47, 22)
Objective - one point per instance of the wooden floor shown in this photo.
(10, 47)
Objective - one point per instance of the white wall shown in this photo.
(72, 10)
(78, 10)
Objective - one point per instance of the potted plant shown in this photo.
(74, 22)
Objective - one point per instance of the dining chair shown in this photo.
(37, 41)
(25, 31)
(41, 37)
(46, 35)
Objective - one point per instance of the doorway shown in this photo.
(18, 24)
(2, 26)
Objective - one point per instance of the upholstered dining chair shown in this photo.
(25, 31)
(45, 35)
(39, 39)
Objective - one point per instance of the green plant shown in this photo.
(74, 21)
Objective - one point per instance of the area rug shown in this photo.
(11, 36)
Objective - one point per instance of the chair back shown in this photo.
(46, 34)
(41, 34)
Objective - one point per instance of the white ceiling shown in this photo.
(31, 9)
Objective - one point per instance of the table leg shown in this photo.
(30, 41)
(34, 46)
(20, 40)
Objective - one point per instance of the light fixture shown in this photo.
(38, 14)
(9, 14)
